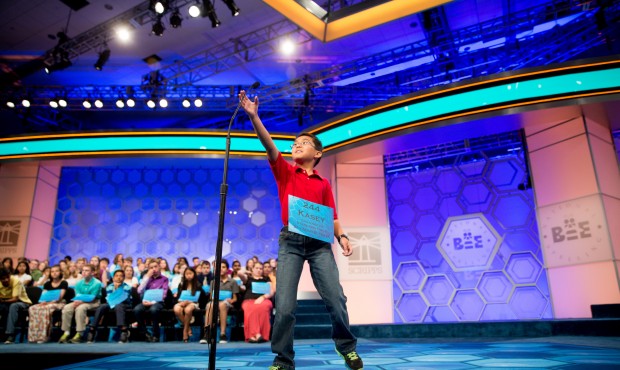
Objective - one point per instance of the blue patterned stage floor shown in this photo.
(402, 354)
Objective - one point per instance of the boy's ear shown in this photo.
(318, 155)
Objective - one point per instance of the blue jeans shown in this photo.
(294, 250)
(10, 314)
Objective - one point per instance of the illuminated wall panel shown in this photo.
(168, 212)
(464, 235)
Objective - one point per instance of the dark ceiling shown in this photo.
(461, 40)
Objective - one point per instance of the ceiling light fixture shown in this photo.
(194, 10)
(104, 55)
(198, 103)
(186, 103)
(98, 103)
(10, 104)
(53, 103)
(26, 103)
(130, 103)
(160, 7)
(123, 33)
(120, 103)
(158, 27)
(150, 103)
(175, 19)
(62, 102)
(234, 9)
(163, 103)
(86, 104)
(208, 10)
(287, 47)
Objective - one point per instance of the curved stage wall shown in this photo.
(436, 208)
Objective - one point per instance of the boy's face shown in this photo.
(119, 276)
(303, 150)
(5, 280)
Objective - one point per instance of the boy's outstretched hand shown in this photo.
(250, 107)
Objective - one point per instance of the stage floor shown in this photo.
(403, 354)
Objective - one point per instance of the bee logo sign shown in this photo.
(468, 242)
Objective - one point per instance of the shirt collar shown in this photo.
(314, 172)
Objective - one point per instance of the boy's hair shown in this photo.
(318, 145)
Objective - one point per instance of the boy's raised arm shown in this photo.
(251, 109)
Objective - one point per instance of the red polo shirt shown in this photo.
(293, 180)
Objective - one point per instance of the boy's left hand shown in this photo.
(346, 247)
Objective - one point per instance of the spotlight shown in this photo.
(123, 33)
(98, 103)
(186, 103)
(26, 103)
(53, 104)
(150, 103)
(198, 103)
(175, 19)
(194, 10)
(62, 103)
(120, 103)
(163, 103)
(160, 7)
(104, 55)
(10, 104)
(287, 47)
(234, 9)
(86, 104)
(158, 27)
(209, 11)
(131, 103)
(58, 66)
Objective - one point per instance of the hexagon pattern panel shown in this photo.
(168, 212)
(465, 243)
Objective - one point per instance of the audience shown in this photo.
(152, 280)
(257, 307)
(130, 278)
(226, 285)
(87, 295)
(22, 272)
(13, 297)
(185, 306)
(7, 262)
(118, 294)
(45, 276)
(62, 279)
(40, 314)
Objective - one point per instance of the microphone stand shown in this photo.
(218, 250)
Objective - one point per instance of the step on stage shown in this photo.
(556, 344)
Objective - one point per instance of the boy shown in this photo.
(303, 181)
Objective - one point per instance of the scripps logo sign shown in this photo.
(9, 233)
(571, 230)
(468, 242)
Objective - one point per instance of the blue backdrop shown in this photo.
(464, 235)
(168, 212)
